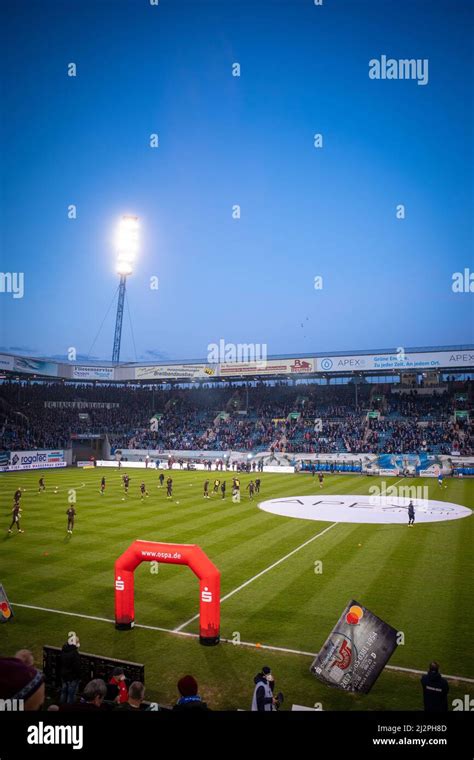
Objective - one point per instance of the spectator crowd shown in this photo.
(306, 418)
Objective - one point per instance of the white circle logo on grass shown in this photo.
(363, 509)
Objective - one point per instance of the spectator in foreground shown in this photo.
(92, 697)
(118, 680)
(435, 690)
(22, 682)
(70, 672)
(136, 695)
(263, 699)
(25, 656)
(189, 698)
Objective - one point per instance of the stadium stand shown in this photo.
(279, 417)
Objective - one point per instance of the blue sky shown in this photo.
(226, 140)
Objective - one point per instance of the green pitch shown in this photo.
(419, 580)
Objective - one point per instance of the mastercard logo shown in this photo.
(355, 614)
(5, 610)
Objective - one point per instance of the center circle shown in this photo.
(357, 508)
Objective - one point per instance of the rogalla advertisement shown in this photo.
(356, 651)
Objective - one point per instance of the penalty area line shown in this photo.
(249, 644)
(262, 572)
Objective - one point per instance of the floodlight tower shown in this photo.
(127, 247)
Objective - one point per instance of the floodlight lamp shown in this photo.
(127, 241)
(123, 267)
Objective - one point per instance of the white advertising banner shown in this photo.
(93, 373)
(268, 367)
(176, 372)
(397, 361)
(34, 460)
(181, 454)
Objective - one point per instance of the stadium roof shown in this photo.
(373, 362)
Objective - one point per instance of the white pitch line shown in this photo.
(62, 612)
(250, 644)
(398, 481)
(99, 619)
(314, 654)
(64, 486)
(423, 672)
(191, 620)
(259, 575)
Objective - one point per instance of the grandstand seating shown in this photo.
(258, 418)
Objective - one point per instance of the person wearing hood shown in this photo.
(19, 681)
(263, 699)
(435, 690)
(189, 698)
(70, 672)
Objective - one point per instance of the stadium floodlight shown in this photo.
(126, 244)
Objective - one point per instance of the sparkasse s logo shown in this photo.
(45, 734)
(206, 595)
(119, 584)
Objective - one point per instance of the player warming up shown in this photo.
(251, 489)
(102, 486)
(71, 514)
(143, 491)
(236, 490)
(216, 486)
(411, 514)
(321, 479)
(16, 512)
(169, 488)
(126, 483)
(161, 479)
(206, 489)
(41, 485)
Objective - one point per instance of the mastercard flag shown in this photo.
(356, 651)
(6, 612)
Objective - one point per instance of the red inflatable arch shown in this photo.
(175, 554)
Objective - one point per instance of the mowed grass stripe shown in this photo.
(382, 574)
(79, 574)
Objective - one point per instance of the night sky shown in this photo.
(226, 140)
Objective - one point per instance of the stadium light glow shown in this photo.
(126, 244)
